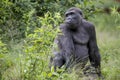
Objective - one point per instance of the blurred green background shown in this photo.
(28, 29)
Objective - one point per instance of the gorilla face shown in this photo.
(73, 18)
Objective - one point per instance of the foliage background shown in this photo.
(28, 29)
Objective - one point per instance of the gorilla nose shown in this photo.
(69, 20)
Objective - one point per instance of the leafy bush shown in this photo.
(38, 45)
(12, 19)
(5, 63)
(21, 16)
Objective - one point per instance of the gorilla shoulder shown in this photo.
(88, 25)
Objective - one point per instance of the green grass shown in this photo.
(110, 51)
(108, 38)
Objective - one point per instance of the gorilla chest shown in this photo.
(80, 37)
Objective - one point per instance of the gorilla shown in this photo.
(76, 43)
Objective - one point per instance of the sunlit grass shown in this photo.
(108, 39)
(110, 52)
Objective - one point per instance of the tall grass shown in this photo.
(108, 38)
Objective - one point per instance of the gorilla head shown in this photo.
(73, 17)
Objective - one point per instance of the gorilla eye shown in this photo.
(71, 13)
(66, 15)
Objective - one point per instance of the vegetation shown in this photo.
(28, 29)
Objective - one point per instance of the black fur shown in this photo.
(77, 41)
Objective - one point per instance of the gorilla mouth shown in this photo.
(68, 21)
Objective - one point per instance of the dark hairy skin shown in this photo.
(77, 42)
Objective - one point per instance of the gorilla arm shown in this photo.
(67, 44)
(63, 49)
(94, 54)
